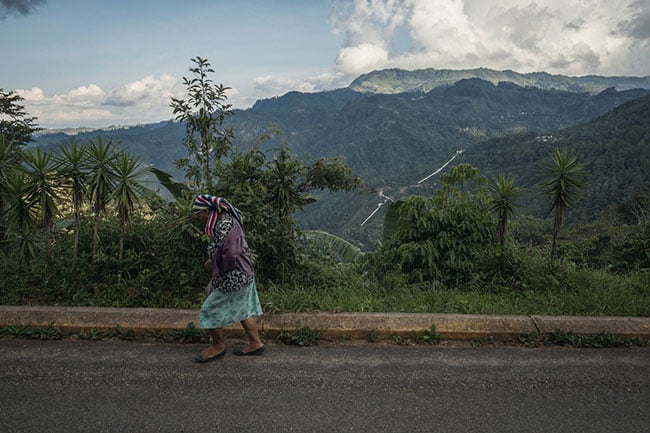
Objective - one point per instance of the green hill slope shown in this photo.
(615, 149)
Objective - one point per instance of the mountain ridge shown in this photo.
(392, 81)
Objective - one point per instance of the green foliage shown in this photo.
(101, 180)
(301, 336)
(603, 339)
(10, 161)
(621, 248)
(161, 266)
(178, 189)
(393, 140)
(568, 338)
(37, 207)
(190, 334)
(503, 204)
(207, 141)
(431, 336)
(438, 253)
(635, 209)
(71, 162)
(50, 332)
(443, 237)
(15, 123)
(328, 244)
(21, 217)
(40, 192)
(562, 180)
(128, 189)
(269, 190)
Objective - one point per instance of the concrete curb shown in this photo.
(349, 326)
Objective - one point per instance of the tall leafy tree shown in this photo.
(127, 190)
(283, 180)
(203, 112)
(563, 177)
(269, 190)
(15, 124)
(41, 192)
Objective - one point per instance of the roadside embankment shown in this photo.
(343, 326)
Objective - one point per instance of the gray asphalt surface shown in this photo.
(79, 386)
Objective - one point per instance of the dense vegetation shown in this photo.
(392, 141)
(79, 227)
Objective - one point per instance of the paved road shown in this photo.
(78, 386)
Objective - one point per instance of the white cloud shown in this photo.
(362, 58)
(84, 96)
(147, 100)
(269, 86)
(147, 92)
(571, 37)
(143, 101)
(35, 94)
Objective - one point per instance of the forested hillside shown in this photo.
(615, 149)
(394, 140)
(391, 139)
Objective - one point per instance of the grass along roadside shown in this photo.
(568, 290)
(603, 296)
(304, 336)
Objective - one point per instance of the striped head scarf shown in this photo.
(215, 205)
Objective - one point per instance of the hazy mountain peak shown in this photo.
(391, 81)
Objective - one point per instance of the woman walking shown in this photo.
(231, 292)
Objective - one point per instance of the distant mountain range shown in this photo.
(424, 80)
(395, 127)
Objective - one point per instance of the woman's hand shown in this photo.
(208, 265)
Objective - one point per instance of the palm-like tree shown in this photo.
(504, 193)
(562, 179)
(20, 214)
(10, 163)
(128, 189)
(73, 168)
(41, 192)
(101, 182)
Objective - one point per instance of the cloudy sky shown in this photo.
(99, 63)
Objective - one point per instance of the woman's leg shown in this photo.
(217, 343)
(254, 342)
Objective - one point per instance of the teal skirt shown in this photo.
(225, 308)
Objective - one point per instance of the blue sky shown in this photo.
(98, 63)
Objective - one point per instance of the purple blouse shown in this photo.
(232, 268)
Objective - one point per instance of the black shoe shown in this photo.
(202, 359)
(257, 352)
